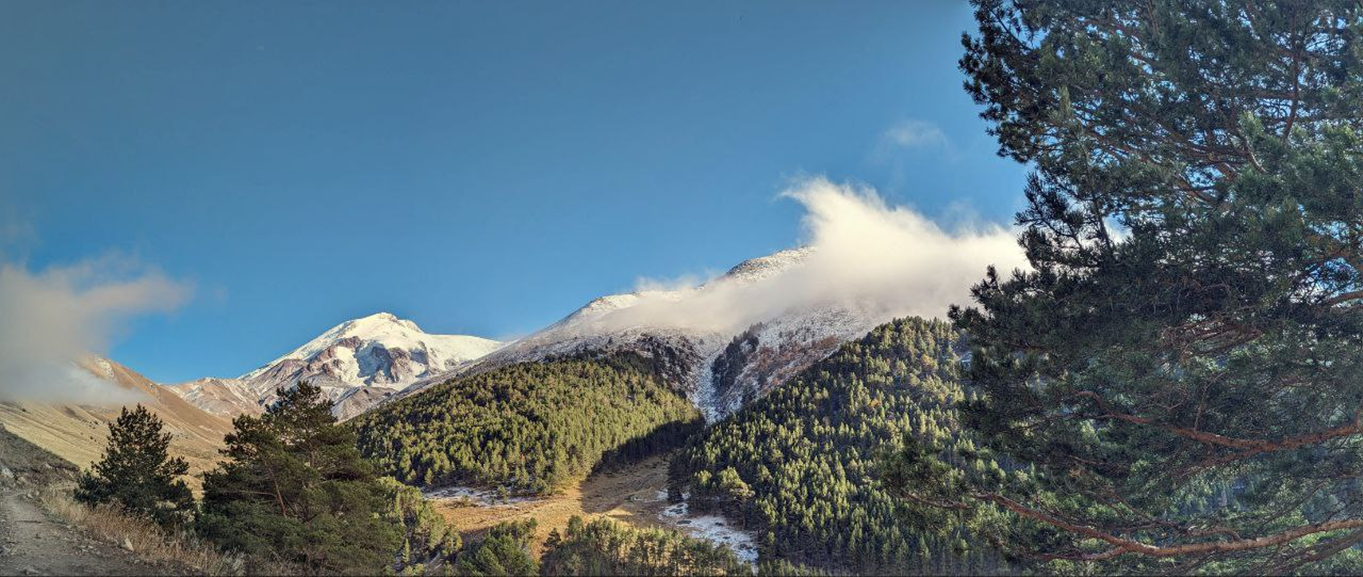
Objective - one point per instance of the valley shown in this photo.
(633, 494)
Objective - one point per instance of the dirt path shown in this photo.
(31, 543)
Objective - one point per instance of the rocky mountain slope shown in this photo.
(712, 346)
(357, 363)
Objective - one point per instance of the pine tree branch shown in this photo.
(1250, 447)
(1124, 546)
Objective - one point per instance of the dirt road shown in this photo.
(32, 543)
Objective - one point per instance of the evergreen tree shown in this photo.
(137, 472)
(295, 489)
(1184, 389)
(604, 547)
(505, 551)
(428, 542)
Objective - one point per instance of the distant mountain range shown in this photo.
(718, 364)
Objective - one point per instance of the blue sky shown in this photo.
(481, 168)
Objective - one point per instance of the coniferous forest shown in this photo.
(800, 466)
(527, 427)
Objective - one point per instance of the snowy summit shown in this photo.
(357, 363)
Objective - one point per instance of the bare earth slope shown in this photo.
(77, 433)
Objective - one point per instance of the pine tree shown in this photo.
(429, 544)
(1192, 320)
(505, 551)
(137, 472)
(294, 488)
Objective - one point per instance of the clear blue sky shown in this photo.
(481, 168)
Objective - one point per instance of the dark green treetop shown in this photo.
(295, 489)
(1182, 369)
(505, 551)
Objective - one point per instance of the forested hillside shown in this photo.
(526, 427)
(799, 467)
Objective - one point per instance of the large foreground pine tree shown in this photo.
(294, 489)
(1180, 380)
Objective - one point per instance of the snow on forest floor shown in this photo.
(712, 528)
(472, 497)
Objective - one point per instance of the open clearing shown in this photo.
(635, 495)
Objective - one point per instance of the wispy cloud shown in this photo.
(885, 260)
(53, 317)
(914, 133)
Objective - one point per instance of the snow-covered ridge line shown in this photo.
(715, 343)
(699, 359)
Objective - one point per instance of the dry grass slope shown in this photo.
(627, 496)
(145, 538)
(78, 433)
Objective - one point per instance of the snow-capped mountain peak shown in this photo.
(356, 363)
(383, 331)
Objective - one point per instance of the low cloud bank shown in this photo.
(864, 255)
(51, 318)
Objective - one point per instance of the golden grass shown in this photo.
(148, 540)
(627, 496)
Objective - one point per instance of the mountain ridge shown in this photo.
(779, 344)
(701, 351)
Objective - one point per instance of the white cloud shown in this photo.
(51, 318)
(914, 134)
(888, 261)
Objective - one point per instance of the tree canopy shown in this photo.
(295, 489)
(1183, 365)
(604, 547)
(137, 472)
